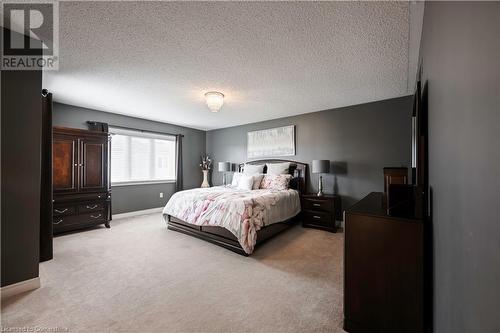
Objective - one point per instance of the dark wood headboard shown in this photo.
(297, 169)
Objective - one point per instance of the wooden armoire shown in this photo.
(81, 185)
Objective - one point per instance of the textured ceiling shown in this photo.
(155, 60)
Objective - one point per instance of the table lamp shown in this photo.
(224, 167)
(320, 166)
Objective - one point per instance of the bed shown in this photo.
(238, 220)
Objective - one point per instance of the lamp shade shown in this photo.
(224, 166)
(321, 166)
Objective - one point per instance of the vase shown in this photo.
(205, 179)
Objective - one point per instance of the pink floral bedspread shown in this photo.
(242, 212)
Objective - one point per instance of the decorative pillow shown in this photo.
(245, 182)
(236, 178)
(278, 168)
(275, 182)
(257, 179)
(250, 169)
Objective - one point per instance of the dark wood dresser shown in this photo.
(321, 212)
(383, 269)
(81, 189)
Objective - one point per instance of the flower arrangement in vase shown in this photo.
(205, 165)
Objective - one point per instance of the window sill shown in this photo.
(143, 183)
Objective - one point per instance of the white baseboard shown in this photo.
(137, 213)
(20, 287)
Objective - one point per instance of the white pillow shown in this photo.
(250, 169)
(278, 168)
(245, 182)
(236, 179)
(256, 181)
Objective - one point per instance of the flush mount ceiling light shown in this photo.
(214, 100)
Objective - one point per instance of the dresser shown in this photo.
(383, 269)
(80, 180)
(321, 212)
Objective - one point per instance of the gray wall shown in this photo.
(21, 133)
(460, 54)
(359, 140)
(137, 197)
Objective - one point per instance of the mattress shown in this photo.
(242, 212)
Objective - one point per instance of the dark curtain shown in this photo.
(178, 161)
(46, 179)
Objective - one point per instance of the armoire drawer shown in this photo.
(65, 210)
(59, 222)
(91, 207)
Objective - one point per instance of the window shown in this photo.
(141, 157)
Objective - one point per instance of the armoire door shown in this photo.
(64, 163)
(93, 164)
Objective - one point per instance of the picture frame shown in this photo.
(272, 142)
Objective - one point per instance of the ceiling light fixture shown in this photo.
(214, 100)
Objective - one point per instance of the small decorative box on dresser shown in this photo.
(321, 211)
(81, 192)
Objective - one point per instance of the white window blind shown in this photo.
(141, 157)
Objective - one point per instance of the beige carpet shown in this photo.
(140, 277)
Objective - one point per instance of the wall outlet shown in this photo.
(161, 194)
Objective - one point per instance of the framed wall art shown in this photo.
(273, 142)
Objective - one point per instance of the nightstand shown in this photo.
(321, 212)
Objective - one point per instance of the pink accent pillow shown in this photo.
(276, 182)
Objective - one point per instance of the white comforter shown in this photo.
(242, 212)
